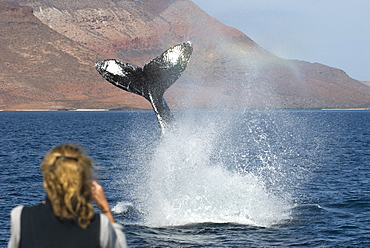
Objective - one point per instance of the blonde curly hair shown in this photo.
(67, 173)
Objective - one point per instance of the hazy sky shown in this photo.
(331, 32)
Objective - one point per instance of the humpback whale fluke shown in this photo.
(152, 80)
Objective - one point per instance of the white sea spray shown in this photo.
(185, 183)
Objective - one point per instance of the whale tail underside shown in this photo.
(152, 80)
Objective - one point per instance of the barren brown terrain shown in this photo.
(48, 49)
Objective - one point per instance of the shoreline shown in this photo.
(136, 109)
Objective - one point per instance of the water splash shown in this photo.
(189, 181)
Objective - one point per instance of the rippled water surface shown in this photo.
(218, 179)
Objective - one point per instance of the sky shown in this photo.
(331, 32)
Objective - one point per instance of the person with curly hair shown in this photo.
(67, 218)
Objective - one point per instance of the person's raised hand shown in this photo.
(98, 196)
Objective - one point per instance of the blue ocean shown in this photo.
(256, 178)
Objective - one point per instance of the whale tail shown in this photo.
(152, 80)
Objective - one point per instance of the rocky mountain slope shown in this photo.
(227, 68)
(41, 69)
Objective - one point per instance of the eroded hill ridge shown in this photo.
(49, 61)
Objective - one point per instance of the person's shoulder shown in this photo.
(17, 210)
(15, 224)
(18, 207)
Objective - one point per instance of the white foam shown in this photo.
(183, 186)
(121, 207)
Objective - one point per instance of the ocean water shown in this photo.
(218, 179)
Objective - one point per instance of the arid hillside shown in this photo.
(49, 60)
(42, 69)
